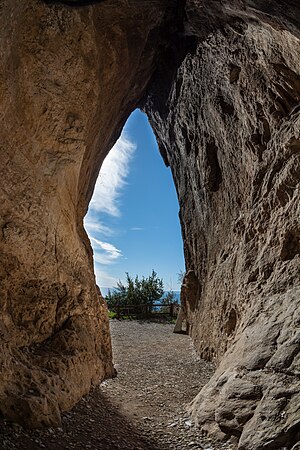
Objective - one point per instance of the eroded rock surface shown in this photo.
(230, 130)
(69, 79)
(220, 83)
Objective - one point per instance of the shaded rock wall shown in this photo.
(229, 128)
(69, 79)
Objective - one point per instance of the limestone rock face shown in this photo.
(229, 128)
(220, 83)
(69, 79)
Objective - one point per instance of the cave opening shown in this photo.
(132, 221)
(220, 80)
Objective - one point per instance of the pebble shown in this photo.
(188, 423)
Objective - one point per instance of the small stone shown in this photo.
(188, 424)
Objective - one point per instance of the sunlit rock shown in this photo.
(229, 127)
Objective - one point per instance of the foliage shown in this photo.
(135, 292)
(170, 298)
(112, 315)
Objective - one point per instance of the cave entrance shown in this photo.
(133, 219)
(134, 227)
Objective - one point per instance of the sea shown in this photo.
(104, 292)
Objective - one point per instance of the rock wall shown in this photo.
(70, 76)
(220, 84)
(229, 127)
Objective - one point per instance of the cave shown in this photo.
(220, 84)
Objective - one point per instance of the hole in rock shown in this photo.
(133, 219)
(231, 322)
(290, 245)
(134, 227)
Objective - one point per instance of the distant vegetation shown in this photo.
(137, 292)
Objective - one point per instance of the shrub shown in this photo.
(136, 292)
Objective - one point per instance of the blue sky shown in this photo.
(133, 220)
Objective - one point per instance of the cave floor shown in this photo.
(143, 408)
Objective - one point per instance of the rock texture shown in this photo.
(70, 76)
(229, 128)
(220, 83)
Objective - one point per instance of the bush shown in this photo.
(136, 292)
(112, 315)
(168, 299)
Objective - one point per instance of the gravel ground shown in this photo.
(159, 373)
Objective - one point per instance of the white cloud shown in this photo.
(136, 229)
(111, 180)
(106, 199)
(104, 252)
(104, 279)
(93, 225)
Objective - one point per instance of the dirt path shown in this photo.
(143, 408)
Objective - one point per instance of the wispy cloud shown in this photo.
(112, 177)
(104, 279)
(93, 225)
(104, 252)
(136, 229)
(106, 200)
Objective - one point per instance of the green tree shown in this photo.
(136, 292)
(169, 298)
